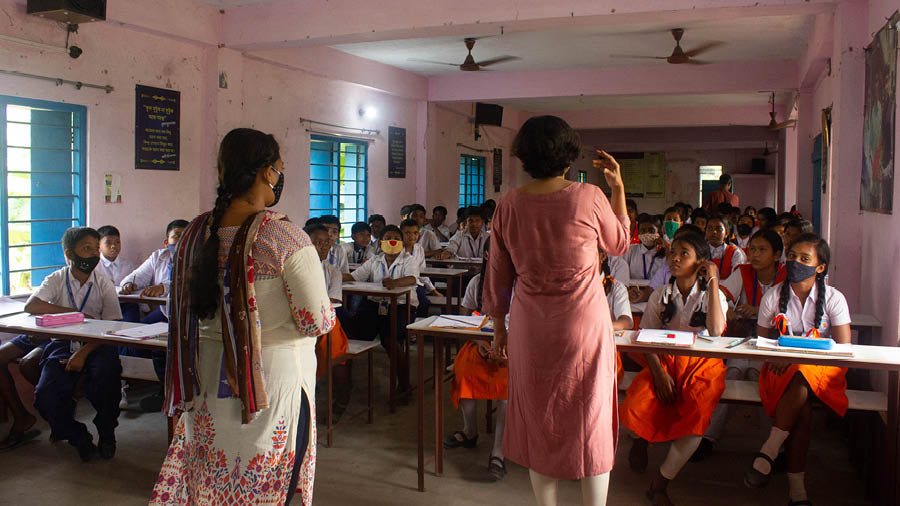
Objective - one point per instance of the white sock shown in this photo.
(544, 488)
(679, 453)
(498, 430)
(470, 413)
(594, 489)
(777, 437)
(797, 490)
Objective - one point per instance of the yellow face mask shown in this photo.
(392, 247)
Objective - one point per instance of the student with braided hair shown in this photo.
(673, 398)
(813, 309)
(726, 256)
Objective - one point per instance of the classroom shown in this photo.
(316, 208)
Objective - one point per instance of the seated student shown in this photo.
(429, 242)
(29, 350)
(393, 267)
(787, 390)
(794, 229)
(682, 211)
(360, 248)
(78, 287)
(698, 219)
(645, 258)
(765, 218)
(750, 211)
(619, 305)
(116, 268)
(468, 244)
(673, 398)
(744, 231)
(460, 221)
(404, 211)
(318, 235)
(152, 277)
(336, 257)
(487, 214)
(436, 225)
(376, 223)
(632, 209)
(725, 256)
(410, 230)
(672, 221)
(744, 290)
(663, 274)
(733, 217)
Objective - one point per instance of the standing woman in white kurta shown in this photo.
(248, 300)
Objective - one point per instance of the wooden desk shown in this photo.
(866, 357)
(448, 274)
(377, 290)
(473, 265)
(11, 306)
(138, 298)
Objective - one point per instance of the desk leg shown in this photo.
(438, 407)
(392, 388)
(449, 307)
(420, 402)
(891, 492)
(328, 371)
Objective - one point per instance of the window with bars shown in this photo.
(471, 180)
(42, 148)
(338, 180)
(582, 176)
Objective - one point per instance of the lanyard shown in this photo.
(755, 286)
(358, 253)
(472, 245)
(72, 297)
(647, 273)
(384, 271)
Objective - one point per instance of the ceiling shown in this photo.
(551, 104)
(745, 39)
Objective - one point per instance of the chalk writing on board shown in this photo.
(396, 152)
(156, 128)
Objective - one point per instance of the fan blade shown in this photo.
(697, 51)
(787, 124)
(499, 59)
(417, 60)
(638, 57)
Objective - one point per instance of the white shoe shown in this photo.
(123, 404)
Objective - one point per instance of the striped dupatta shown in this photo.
(242, 369)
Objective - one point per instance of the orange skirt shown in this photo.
(338, 347)
(475, 377)
(620, 371)
(829, 384)
(700, 381)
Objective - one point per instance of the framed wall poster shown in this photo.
(157, 128)
(396, 152)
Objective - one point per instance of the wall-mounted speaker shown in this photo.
(488, 114)
(68, 11)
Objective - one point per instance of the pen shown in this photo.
(737, 342)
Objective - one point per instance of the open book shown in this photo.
(666, 338)
(143, 332)
(460, 322)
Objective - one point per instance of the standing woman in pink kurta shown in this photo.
(561, 420)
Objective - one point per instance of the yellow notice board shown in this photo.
(644, 174)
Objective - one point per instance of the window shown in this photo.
(582, 176)
(337, 180)
(42, 147)
(709, 179)
(471, 180)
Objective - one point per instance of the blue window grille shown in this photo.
(338, 180)
(43, 173)
(582, 176)
(471, 180)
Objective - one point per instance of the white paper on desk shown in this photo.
(459, 322)
(666, 337)
(839, 350)
(9, 306)
(143, 331)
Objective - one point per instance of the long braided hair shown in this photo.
(698, 243)
(607, 278)
(242, 154)
(487, 247)
(823, 255)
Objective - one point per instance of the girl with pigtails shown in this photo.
(673, 398)
(812, 309)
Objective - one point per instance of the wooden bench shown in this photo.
(355, 348)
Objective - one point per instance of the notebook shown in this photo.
(665, 338)
(143, 332)
(459, 322)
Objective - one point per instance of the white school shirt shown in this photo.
(376, 269)
(156, 270)
(463, 245)
(735, 286)
(619, 270)
(444, 229)
(114, 270)
(418, 254)
(337, 258)
(738, 258)
(334, 279)
(357, 255)
(684, 310)
(642, 261)
(470, 298)
(617, 298)
(744, 242)
(661, 276)
(428, 240)
(803, 317)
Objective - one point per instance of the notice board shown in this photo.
(396, 152)
(644, 174)
(157, 128)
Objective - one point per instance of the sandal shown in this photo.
(459, 440)
(754, 478)
(15, 440)
(496, 468)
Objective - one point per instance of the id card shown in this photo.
(382, 309)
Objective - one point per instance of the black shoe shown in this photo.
(781, 462)
(85, 447)
(152, 403)
(705, 449)
(496, 468)
(107, 447)
(459, 440)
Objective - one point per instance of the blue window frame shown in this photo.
(471, 180)
(42, 148)
(582, 176)
(338, 180)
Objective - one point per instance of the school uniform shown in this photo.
(114, 270)
(357, 255)
(339, 340)
(643, 262)
(424, 286)
(744, 287)
(375, 312)
(156, 270)
(699, 381)
(428, 240)
(619, 269)
(463, 245)
(826, 382)
(619, 306)
(337, 257)
(443, 229)
(53, 393)
(727, 257)
(743, 242)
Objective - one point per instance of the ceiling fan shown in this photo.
(678, 55)
(774, 125)
(470, 65)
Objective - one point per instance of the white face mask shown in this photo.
(648, 240)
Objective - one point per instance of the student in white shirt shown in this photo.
(394, 267)
(360, 248)
(470, 243)
(115, 267)
(377, 224)
(153, 277)
(410, 230)
(616, 295)
(336, 257)
(78, 287)
(437, 225)
(744, 231)
(787, 390)
(646, 258)
(430, 243)
(726, 256)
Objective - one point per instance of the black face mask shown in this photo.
(797, 272)
(277, 188)
(85, 264)
(744, 229)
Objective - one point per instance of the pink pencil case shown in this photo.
(55, 320)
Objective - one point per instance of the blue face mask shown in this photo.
(171, 248)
